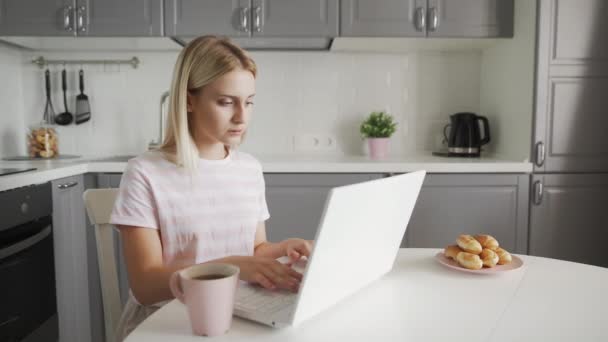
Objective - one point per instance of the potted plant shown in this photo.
(377, 129)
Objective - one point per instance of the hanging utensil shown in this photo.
(66, 117)
(83, 109)
(49, 112)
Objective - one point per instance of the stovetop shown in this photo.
(10, 171)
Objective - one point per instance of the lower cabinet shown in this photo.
(569, 217)
(296, 201)
(71, 273)
(453, 204)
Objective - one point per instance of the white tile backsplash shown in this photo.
(299, 95)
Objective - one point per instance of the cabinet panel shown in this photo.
(295, 18)
(470, 18)
(70, 244)
(122, 18)
(296, 201)
(35, 17)
(385, 18)
(571, 221)
(450, 205)
(579, 30)
(201, 17)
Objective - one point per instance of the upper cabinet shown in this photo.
(36, 17)
(111, 18)
(114, 18)
(251, 18)
(571, 87)
(427, 18)
(384, 18)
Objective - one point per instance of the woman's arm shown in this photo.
(294, 248)
(148, 276)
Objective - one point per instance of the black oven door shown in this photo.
(28, 308)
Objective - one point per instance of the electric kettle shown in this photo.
(464, 139)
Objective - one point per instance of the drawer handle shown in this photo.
(67, 185)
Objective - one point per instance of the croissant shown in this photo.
(504, 256)
(470, 261)
(487, 241)
(489, 257)
(452, 251)
(469, 244)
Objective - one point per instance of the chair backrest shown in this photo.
(99, 204)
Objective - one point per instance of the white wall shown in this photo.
(300, 95)
(507, 86)
(12, 129)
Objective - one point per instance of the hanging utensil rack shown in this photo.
(42, 62)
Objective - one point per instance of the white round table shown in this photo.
(421, 300)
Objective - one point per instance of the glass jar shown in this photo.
(42, 141)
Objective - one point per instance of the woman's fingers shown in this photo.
(264, 281)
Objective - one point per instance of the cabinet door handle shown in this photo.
(244, 19)
(68, 11)
(82, 27)
(257, 24)
(67, 185)
(433, 19)
(538, 192)
(420, 19)
(540, 154)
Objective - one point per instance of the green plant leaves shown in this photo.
(378, 125)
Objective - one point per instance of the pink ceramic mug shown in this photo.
(208, 292)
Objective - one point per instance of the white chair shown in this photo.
(99, 204)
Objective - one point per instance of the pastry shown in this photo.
(470, 261)
(489, 257)
(504, 256)
(469, 244)
(452, 251)
(487, 241)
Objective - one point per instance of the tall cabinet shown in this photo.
(568, 212)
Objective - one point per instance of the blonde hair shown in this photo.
(199, 63)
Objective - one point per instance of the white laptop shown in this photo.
(356, 243)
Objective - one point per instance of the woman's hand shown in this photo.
(296, 248)
(267, 272)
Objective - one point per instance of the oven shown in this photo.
(28, 307)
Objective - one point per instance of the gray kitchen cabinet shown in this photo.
(294, 18)
(569, 217)
(454, 204)
(252, 18)
(470, 18)
(385, 18)
(70, 244)
(571, 87)
(112, 18)
(200, 17)
(296, 201)
(36, 17)
(115, 18)
(427, 18)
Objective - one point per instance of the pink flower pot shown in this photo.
(378, 147)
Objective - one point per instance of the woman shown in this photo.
(198, 199)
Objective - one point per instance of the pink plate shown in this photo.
(447, 262)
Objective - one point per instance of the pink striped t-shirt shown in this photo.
(210, 215)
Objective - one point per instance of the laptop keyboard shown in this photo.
(249, 298)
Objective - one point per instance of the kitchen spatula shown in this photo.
(83, 109)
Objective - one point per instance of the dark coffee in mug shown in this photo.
(209, 277)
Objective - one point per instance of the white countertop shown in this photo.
(47, 170)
